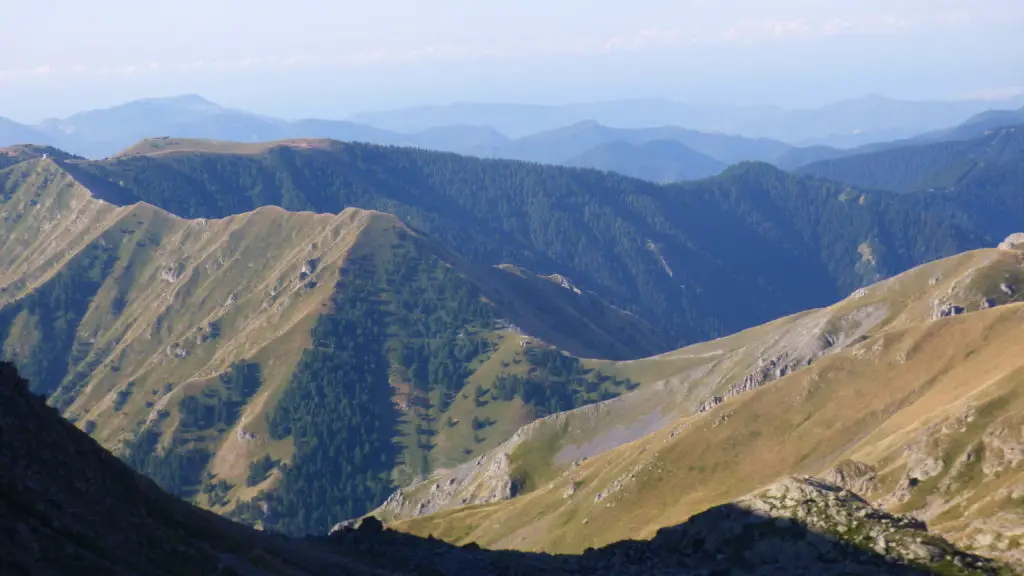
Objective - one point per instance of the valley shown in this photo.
(297, 333)
(512, 289)
(885, 393)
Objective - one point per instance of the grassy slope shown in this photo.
(173, 280)
(863, 402)
(677, 384)
(164, 146)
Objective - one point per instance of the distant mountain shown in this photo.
(13, 133)
(973, 127)
(941, 165)
(843, 124)
(657, 161)
(567, 143)
(979, 123)
(459, 139)
(102, 133)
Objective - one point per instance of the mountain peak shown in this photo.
(186, 101)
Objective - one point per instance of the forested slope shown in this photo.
(696, 260)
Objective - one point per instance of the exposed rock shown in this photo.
(946, 309)
(172, 273)
(804, 525)
(176, 350)
(853, 476)
(1013, 242)
(309, 267)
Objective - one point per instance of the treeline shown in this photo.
(203, 419)
(45, 350)
(557, 382)
(401, 312)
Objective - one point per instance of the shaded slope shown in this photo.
(926, 166)
(927, 409)
(657, 161)
(670, 254)
(104, 518)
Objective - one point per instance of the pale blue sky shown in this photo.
(327, 58)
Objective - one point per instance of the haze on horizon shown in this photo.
(313, 58)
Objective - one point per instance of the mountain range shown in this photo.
(657, 161)
(579, 141)
(995, 155)
(843, 124)
(296, 333)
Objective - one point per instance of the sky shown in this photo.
(333, 58)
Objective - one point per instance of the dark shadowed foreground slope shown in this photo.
(69, 507)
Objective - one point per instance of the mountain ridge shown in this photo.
(172, 340)
(907, 451)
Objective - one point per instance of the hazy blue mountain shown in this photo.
(991, 119)
(567, 143)
(843, 124)
(101, 133)
(973, 127)
(459, 138)
(938, 165)
(657, 161)
(518, 120)
(480, 130)
(12, 133)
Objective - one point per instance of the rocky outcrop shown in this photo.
(853, 476)
(804, 525)
(1013, 242)
(801, 349)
